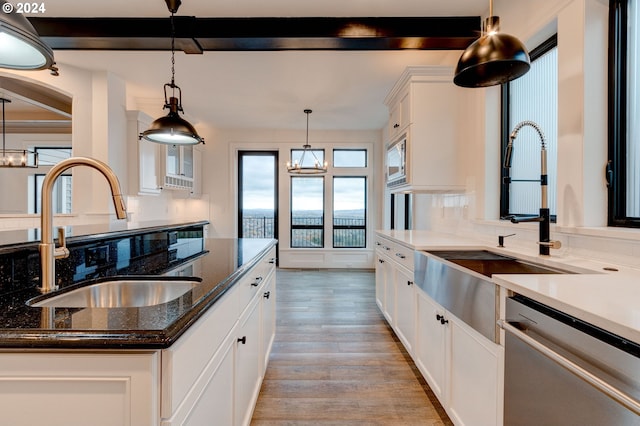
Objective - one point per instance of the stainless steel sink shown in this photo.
(117, 293)
(488, 263)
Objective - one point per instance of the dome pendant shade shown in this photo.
(20, 46)
(172, 129)
(493, 59)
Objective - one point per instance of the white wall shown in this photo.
(99, 105)
(582, 141)
(220, 183)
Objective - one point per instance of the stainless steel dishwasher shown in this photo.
(560, 370)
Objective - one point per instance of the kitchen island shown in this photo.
(199, 357)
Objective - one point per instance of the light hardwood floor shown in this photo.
(335, 361)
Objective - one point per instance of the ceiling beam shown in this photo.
(195, 35)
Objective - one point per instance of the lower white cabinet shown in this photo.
(405, 307)
(432, 351)
(462, 367)
(248, 363)
(78, 389)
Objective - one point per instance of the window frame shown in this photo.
(292, 227)
(505, 131)
(364, 150)
(333, 217)
(616, 170)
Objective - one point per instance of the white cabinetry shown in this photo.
(462, 367)
(437, 118)
(143, 162)
(405, 307)
(248, 363)
(178, 167)
(394, 288)
(77, 389)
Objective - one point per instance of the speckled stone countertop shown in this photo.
(219, 267)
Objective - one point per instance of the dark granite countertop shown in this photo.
(152, 327)
(10, 240)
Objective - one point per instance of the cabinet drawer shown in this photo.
(399, 253)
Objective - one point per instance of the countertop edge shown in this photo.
(20, 339)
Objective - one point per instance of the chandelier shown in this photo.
(310, 167)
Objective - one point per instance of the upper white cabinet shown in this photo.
(437, 119)
(179, 170)
(143, 156)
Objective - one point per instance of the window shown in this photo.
(623, 171)
(62, 191)
(349, 158)
(258, 194)
(532, 97)
(349, 211)
(307, 212)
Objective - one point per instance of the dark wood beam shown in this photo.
(195, 35)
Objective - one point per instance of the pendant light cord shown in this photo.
(4, 129)
(173, 48)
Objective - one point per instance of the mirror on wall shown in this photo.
(38, 118)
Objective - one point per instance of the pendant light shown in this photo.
(299, 167)
(172, 129)
(493, 59)
(20, 46)
(14, 157)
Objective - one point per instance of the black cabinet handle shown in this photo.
(258, 281)
(243, 340)
(267, 294)
(441, 319)
(409, 282)
(395, 126)
(272, 260)
(380, 261)
(401, 256)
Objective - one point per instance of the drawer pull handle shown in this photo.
(409, 282)
(386, 248)
(258, 281)
(243, 340)
(378, 243)
(272, 260)
(267, 294)
(401, 256)
(441, 318)
(381, 260)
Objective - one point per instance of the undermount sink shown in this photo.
(487, 263)
(118, 293)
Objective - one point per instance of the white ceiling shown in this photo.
(345, 89)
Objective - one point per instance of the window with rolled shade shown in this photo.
(532, 97)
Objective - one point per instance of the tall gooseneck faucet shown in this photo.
(544, 218)
(48, 250)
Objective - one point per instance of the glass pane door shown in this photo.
(257, 194)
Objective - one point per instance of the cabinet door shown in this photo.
(381, 282)
(77, 389)
(431, 344)
(173, 160)
(148, 163)
(248, 364)
(186, 166)
(390, 292)
(268, 318)
(216, 399)
(405, 307)
(476, 378)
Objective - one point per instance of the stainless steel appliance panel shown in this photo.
(540, 390)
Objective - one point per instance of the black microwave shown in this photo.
(396, 162)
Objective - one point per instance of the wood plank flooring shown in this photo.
(335, 361)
